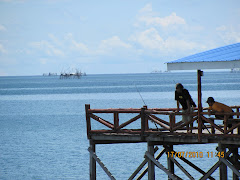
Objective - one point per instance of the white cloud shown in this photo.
(172, 19)
(175, 44)
(229, 34)
(112, 44)
(166, 36)
(55, 40)
(2, 49)
(76, 46)
(48, 48)
(2, 28)
(59, 50)
(149, 18)
(150, 40)
(43, 60)
(146, 9)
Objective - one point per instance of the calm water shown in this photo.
(43, 129)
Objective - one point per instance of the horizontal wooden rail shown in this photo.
(114, 110)
(129, 122)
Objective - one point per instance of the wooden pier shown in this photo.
(163, 127)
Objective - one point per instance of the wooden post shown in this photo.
(172, 121)
(199, 74)
(146, 169)
(146, 120)
(151, 166)
(223, 167)
(92, 163)
(235, 161)
(237, 112)
(238, 129)
(141, 166)
(116, 120)
(225, 123)
(169, 149)
(143, 119)
(88, 121)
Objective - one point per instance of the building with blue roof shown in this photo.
(226, 57)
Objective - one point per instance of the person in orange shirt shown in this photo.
(218, 107)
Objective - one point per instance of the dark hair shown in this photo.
(210, 99)
(179, 86)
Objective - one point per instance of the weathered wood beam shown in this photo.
(151, 166)
(128, 122)
(116, 120)
(129, 110)
(141, 166)
(159, 123)
(159, 119)
(170, 163)
(160, 166)
(93, 154)
(232, 128)
(146, 169)
(230, 166)
(237, 111)
(180, 167)
(155, 111)
(143, 122)
(214, 125)
(235, 161)
(92, 162)
(104, 122)
(184, 124)
(88, 120)
(172, 119)
(199, 75)
(214, 167)
(194, 166)
(222, 168)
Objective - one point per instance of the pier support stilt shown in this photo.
(151, 166)
(92, 162)
(235, 162)
(169, 149)
(222, 167)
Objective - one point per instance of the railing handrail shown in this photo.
(138, 110)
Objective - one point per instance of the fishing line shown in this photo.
(140, 95)
(144, 103)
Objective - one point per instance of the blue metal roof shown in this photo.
(225, 53)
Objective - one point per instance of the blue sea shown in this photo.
(43, 125)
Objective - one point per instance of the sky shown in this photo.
(110, 36)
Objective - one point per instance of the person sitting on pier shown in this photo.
(183, 97)
(218, 107)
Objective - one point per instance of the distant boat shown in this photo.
(156, 71)
(49, 74)
(235, 70)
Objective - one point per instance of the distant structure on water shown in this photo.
(49, 74)
(156, 71)
(235, 70)
(71, 75)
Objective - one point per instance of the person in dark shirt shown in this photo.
(183, 97)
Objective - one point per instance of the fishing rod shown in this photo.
(144, 103)
(140, 95)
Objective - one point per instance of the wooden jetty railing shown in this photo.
(165, 121)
